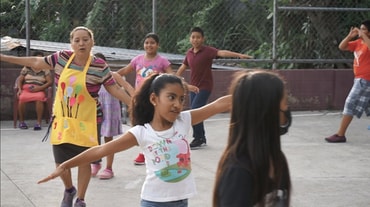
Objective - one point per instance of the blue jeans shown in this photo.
(180, 203)
(198, 100)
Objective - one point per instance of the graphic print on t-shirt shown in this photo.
(143, 73)
(173, 157)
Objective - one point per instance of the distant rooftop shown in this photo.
(8, 43)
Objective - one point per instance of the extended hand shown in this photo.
(243, 56)
(354, 32)
(58, 171)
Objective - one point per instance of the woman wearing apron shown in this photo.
(77, 113)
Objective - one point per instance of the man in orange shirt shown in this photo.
(358, 99)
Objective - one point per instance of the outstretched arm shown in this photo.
(125, 142)
(222, 104)
(227, 53)
(30, 61)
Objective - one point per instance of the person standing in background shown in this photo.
(111, 126)
(199, 58)
(358, 99)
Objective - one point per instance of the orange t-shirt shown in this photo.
(361, 61)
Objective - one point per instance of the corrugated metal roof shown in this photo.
(8, 43)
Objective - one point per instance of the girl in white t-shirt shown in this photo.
(161, 129)
(144, 65)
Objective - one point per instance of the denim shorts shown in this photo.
(358, 99)
(179, 203)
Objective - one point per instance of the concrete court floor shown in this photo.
(322, 174)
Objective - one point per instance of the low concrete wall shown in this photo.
(309, 89)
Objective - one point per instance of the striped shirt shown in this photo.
(98, 74)
(33, 77)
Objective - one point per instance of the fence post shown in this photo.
(28, 27)
(154, 11)
(274, 35)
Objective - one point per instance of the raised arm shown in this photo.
(222, 104)
(124, 142)
(30, 61)
(354, 31)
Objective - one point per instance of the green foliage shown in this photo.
(238, 25)
(11, 18)
(183, 45)
(55, 30)
(319, 34)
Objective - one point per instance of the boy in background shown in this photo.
(200, 58)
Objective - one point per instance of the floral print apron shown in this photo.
(74, 109)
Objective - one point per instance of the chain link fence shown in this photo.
(278, 33)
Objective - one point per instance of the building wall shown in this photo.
(309, 89)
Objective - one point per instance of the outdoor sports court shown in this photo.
(323, 174)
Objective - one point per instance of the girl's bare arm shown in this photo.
(124, 142)
(222, 104)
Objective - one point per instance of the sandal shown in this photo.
(37, 127)
(23, 125)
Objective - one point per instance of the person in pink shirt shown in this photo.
(358, 99)
(144, 65)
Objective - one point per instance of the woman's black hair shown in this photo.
(142, 110)
(254, 133)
